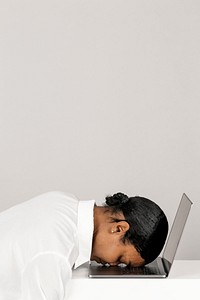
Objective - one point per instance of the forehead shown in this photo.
(130, 255)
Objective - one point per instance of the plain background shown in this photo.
(101, 96)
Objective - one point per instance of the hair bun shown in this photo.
(118, 199)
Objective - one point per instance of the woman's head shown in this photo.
(131, 230)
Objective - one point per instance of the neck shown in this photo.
(100, 217)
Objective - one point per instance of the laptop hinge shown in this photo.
(166, 265)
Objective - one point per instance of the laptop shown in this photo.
(161, 266)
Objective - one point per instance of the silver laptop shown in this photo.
(161, 266)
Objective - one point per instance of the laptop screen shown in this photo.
(176, 231)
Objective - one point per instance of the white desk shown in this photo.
(182, 283)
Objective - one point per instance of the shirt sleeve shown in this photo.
(46, 277)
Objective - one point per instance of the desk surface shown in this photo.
(177, 286)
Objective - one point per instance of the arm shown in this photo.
(46, 277)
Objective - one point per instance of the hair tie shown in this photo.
(117, 199)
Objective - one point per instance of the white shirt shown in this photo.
(40, 241)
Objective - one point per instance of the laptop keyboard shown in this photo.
(139, 270)
(126, 271)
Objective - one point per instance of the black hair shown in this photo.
(148, 223)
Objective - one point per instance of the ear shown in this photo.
(120, 227)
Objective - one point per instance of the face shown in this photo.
(108, 247)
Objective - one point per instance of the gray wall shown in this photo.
(102, 96)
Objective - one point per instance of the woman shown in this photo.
(43, 239)
(128, 230)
